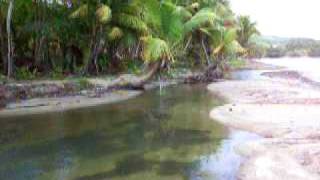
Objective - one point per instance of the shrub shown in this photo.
(24, 73)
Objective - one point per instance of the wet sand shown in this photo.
(45, 105)
(285, 110)
(98, 94)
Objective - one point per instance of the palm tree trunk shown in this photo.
(3, 50)
(10, 43)
(133, 82)
(205, 51)
(92, 63)
(154, 68)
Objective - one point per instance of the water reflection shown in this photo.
(150, 137)
(225, 162)
(248, 75)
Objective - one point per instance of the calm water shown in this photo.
(167, 136)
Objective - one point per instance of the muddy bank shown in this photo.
(50, 96)
(28, 97)
(284, 109)
(45, 105)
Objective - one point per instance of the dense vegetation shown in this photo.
(294, 47)
(55, 38)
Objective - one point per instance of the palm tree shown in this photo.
(3, 49)
(9, 37)
(247, 28)
(109, 34)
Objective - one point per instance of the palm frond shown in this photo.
(171, 22)
(155, 49)
(130, 22)
(230, 35)
(236, 47)
(183, 12)
(129, 39)
(204, 17)
(103, 14)
(82, 11)
(115, 33)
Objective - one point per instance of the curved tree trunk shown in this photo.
(10, 43)
(136, 82)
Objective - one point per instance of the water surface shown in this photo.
(159, 135)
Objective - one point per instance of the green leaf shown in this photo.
(204, 17)
(155, 49)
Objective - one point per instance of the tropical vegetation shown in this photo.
(58, 38)
(293, 47)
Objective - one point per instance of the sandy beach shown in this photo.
(284, 109)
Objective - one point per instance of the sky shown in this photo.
(285, 18)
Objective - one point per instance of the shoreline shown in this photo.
(49, 105)
(59, 96)
(283, 108)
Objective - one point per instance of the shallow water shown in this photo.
(166, 135)
(248, 75)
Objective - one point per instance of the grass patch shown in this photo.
(237, 63)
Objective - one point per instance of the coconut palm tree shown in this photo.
(3, 48)
(109, 34)
(9, 38)
(246, 29)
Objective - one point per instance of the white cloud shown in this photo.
(289, 18)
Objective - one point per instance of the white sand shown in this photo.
(287, 114)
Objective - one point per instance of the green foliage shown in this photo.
(131, 22)
(279, 47)
(2, 78)
(81, 12)
(246, 29)
(171, 22)
(236, 63)
(133, 67)
(103, 63)
(105, 36)
(83, 83)
(155, 49)
(115, 33)
(25, 74)
(103, 14)
(56, 74)
(204, 17)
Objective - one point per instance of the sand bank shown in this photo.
(286, 111)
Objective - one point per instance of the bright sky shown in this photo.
(287, 18)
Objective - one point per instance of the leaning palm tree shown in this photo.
(164, 31)
(155, 53)
(154, 25)
(217, 36)
(195, 27)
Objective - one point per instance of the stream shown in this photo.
(163, 134)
